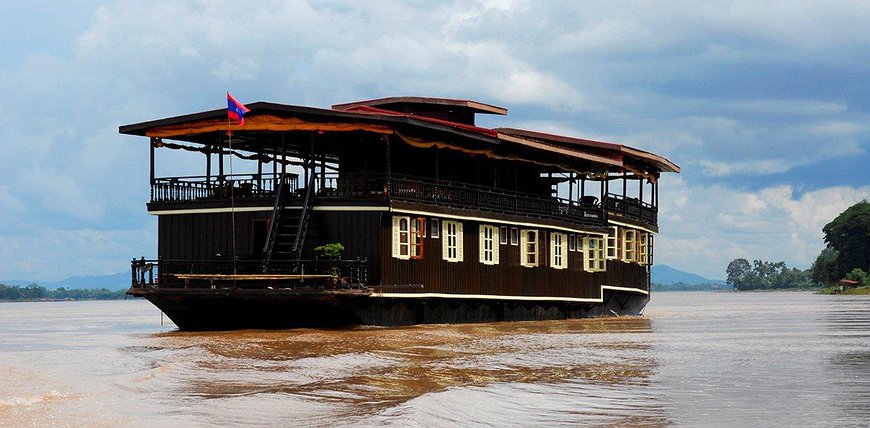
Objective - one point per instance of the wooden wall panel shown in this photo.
(368, 235)
(508, 277)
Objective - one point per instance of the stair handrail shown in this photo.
(303, 219)
(273, 225)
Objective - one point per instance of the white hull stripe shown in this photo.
(631, 226)
(348, 208)
(210, 210)
(492, 220)
(502, 297)
(269, 208)
(384, 209)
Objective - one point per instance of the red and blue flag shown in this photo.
(236, 110)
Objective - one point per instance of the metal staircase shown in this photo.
(288, 230)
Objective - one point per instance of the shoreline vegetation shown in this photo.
(682, 286)
(856, 291)
(843, 266)
(36, 293)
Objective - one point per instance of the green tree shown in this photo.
(849, 235)
(825, 268)
(764, 275)
(739, 274)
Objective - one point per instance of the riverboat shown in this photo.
(391, 211)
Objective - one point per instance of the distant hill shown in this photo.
(117, 281)
(664, 274)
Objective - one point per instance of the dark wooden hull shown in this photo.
(273, 309)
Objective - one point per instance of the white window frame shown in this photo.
(612, 244)
(489, 242)
(503, 235)
(529, 249)
(629, 245)
(572, 242)
(594, 257)
(558, 250)
(402, 229)
(451, 241)
(515, 236)
(643, 248)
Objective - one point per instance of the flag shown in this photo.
(236, 110)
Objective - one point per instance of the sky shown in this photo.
(764, 105)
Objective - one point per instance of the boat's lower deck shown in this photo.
(228, 309)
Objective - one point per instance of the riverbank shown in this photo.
(847, 291)
(36, 293)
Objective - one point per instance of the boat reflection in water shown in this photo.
(590, 369)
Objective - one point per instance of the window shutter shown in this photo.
(444, 239)
(524, 243)
(602, 263)
(553, 250)
(481, 243)
(624, 246)
(396, 237)
(459, 239)
(496, 240)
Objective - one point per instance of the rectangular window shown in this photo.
(629, 242)
(436, 228)
(651, 248)
(418, 232)
(642, 248)
(489, 244)
(611, 243)
(529, 247)
(558, 258)
(572, 242)
(451, 243)
(594, 255)
(503, 235)
(401, 238)
(515, 236)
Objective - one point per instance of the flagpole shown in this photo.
(232, 193)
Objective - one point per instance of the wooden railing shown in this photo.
(632, 208)
(164, 273)
(460, 195)
(588, 212)
(197, 188)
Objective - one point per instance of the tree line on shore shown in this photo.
(33, 292)
(846, 256)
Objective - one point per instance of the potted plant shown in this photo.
(331, 252)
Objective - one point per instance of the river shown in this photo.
(694, 359)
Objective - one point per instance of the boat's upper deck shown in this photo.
(403, 152)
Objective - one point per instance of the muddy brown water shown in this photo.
(694, 359)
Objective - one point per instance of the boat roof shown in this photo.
(267, 122)
(392, 103)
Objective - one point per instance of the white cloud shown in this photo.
(705, 227)
(53, 255)
(646, 75)
(751, 167)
